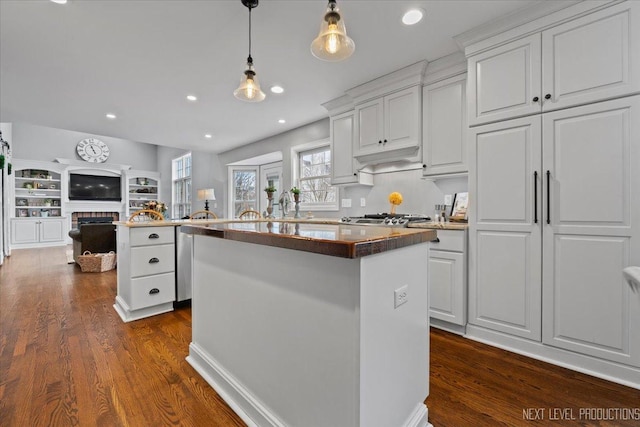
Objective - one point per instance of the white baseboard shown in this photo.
(447, 326)
(615, 372)
(243, 403)
(247, 406)
(128, 315)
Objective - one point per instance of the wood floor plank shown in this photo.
(67, 359)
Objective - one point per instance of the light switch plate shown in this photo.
(363, 202)
(346, 203)
(447, 199)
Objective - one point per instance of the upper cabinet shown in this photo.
(388, 127)
(444, 112)
(591, 58)
(344, 168)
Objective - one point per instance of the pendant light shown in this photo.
(249, 89)
(332, 43)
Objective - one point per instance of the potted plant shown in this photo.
(270, 190)
(296, 194)
(47, 202)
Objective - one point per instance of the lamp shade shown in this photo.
(332, 43)
(206, 194)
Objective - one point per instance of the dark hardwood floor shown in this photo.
(66, 359)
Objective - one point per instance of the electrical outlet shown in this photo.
(400, 296)
(363, 202)
(346, 203)
(447, 199)
(215, 205)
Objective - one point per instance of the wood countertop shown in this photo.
(328, 238)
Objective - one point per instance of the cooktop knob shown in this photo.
(345, 219)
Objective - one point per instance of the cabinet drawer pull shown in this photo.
(536, 99)
(154, 236)
(385, 141)
(535, 197)
(154, 291)
(547, 96)
(154, 260)
(548, 197)
(379, 142)
(436, 240)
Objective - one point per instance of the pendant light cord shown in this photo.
(250, 59)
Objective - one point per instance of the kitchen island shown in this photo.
(306, 324)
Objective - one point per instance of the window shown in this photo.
(181, 186)
(313, 173)
(244, 191)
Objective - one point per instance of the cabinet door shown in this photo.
(593, 229)
(503, 82)
(592, 58)
(445, 127)
(342, 138)
(51, 230)
(402, 119)
(446, 287)
(370, 126)
(504, 238)
(25, 231)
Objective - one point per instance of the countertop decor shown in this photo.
(395, 199)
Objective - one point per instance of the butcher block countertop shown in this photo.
(326, 238)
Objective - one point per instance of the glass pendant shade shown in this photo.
(332, 43)
(249, 89)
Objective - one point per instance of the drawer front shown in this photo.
(450, 240)
(144, 236)
(148, 260)
(152, 290)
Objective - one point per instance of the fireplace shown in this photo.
(75, 215)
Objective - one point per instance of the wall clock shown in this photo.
(93, 150)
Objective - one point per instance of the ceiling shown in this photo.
(66, 66)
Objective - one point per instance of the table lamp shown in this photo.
(206, 194)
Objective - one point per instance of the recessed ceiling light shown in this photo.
(277, 89)
(59, 1)
(192, 97)
(412, 16)
(110, 116)
(282, 121)
(208, 135)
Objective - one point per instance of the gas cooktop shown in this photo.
(385, 219)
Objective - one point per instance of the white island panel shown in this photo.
(292, 338)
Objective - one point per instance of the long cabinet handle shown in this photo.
(548, 197)
(154, 260)
(535, 197)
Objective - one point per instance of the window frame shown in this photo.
(296, 152)
(186, 181)
(231, 198)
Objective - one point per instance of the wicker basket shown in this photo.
(97, 263)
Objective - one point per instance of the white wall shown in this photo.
(206, 173)
(32, 142)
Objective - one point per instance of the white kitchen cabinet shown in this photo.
(36, 232)
(388, 128)
(448, 279)
(556, 213)
(344, 168)
(505, 258)
(588, 59)
(146, 271)
(591, 229)
(444, 141)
